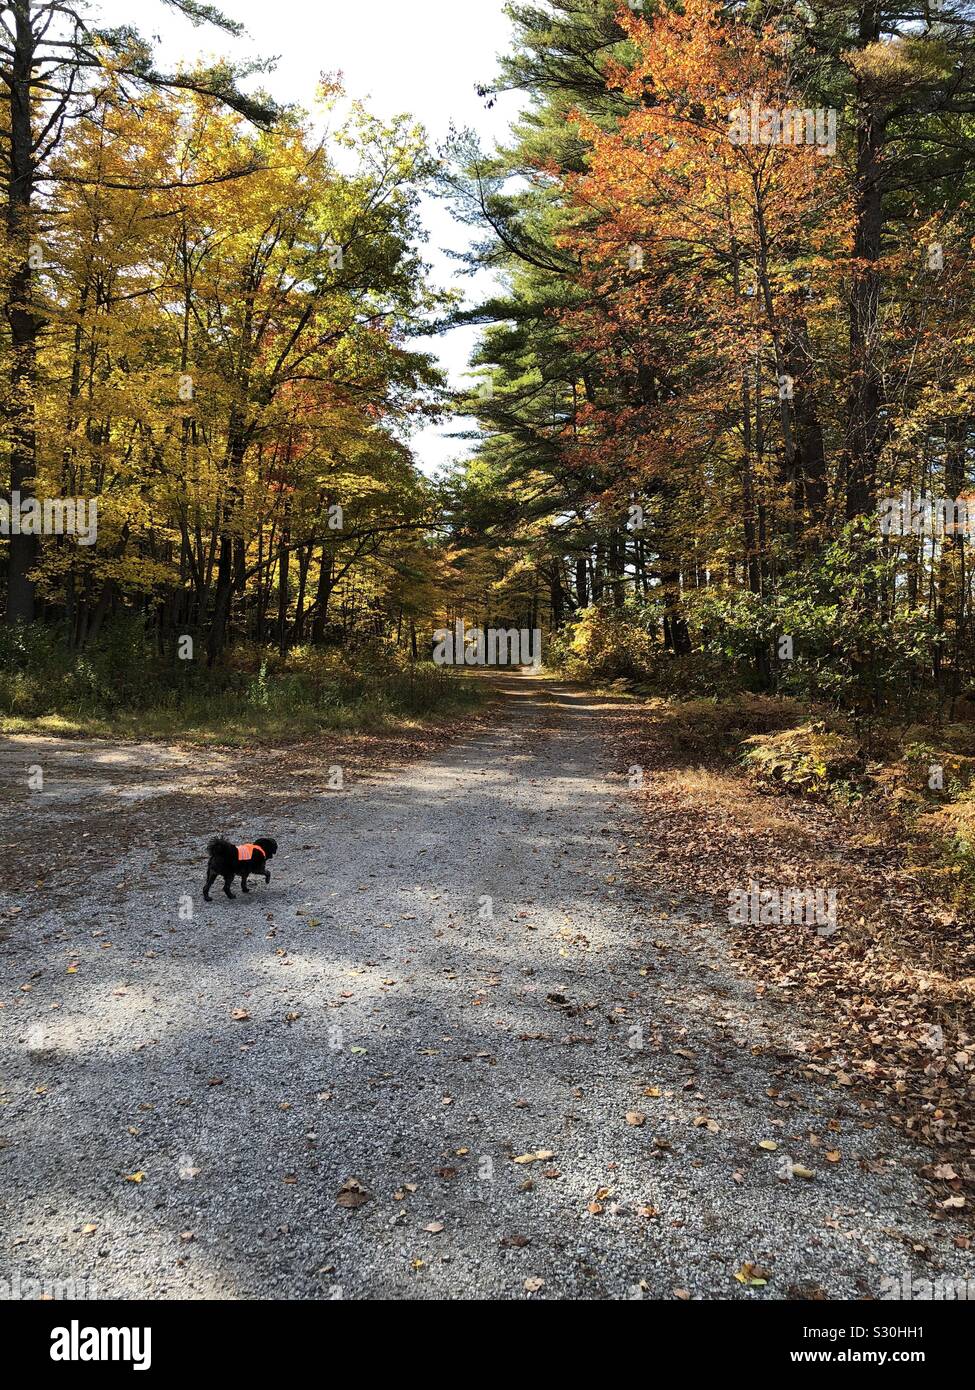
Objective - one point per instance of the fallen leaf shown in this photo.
(352, 1193)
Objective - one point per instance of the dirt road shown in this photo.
(545, 1082)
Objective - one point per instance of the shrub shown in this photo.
(124, 682)
(849, 649)
(706, 727)
(604, 642)
(812, 759)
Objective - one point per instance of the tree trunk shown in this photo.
(323, 595)
(23, 322)
(864, 423)
(582, 583)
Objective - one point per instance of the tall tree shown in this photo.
(51, 63)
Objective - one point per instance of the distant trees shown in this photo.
(740, 315)
(735, 321)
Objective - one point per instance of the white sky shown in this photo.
(423, 57)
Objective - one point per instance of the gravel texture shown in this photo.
(451, 969)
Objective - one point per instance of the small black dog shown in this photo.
(227, 861)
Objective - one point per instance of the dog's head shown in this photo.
(270, 847)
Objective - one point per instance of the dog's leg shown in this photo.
(227, 880)
(211, 880)
(243, 883)
(267, 875)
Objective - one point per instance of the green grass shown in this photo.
(225, 723)
(123, 689)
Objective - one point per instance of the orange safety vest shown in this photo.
(244, 852)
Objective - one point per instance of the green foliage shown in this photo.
(124, 684)
(849, 649)
(602, 642)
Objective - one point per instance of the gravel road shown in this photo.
(531, 1078)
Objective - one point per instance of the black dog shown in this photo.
(227, 861)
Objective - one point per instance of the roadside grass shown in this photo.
(918, 779)
(229, 723)
(123, 689)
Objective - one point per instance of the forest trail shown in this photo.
(549, 1082)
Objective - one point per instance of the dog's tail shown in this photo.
(219, 846)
